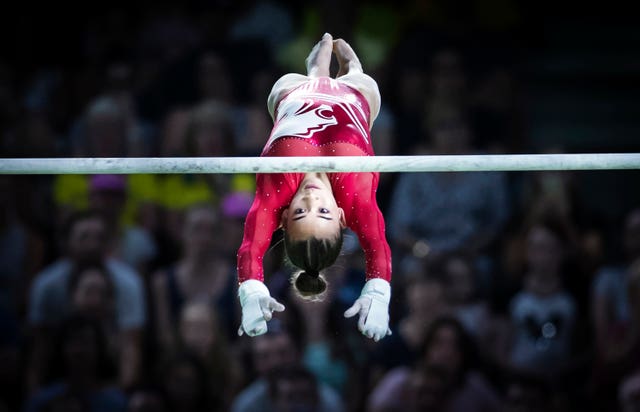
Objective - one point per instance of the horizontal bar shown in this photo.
(442, 163)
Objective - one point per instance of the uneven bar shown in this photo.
(227, 165)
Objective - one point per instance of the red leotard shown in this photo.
(321, 117)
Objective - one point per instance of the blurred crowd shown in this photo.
(118, 292)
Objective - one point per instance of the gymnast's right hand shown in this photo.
(257, 307)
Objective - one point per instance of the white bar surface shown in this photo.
(229, 165)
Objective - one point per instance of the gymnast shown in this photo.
(316, 115)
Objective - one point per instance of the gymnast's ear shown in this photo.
(283, 218)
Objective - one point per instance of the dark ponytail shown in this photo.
(309, 284)
(312, 255)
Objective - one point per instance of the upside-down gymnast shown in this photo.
(316, 115)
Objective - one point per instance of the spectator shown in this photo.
(273, 350)
(293, 389)
(147, 399)
(86, 240)
(201, 335)
(543, 315)
(83, 372)
(186, 383)
(463, 297)
(447, 358)
(616, 316)
(133, 244)
(202, 273)
(425, 301)
(442, 212)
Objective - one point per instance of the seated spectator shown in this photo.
(434, 213)
(200, 334)
(292, 389)
(463, 298)
(132, 244)
(629, 393)
(147, 399)
(446, 359)
(276, 349)
(543, 316)
(616, 317)
(86, 239)
(425, 301)
(203, 273)
(185, 382)
(82, 372)
(524, 393)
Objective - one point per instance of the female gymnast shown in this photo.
(316, 115)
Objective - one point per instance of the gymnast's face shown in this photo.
(313, 211)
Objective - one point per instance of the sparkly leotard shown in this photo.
(320, 117)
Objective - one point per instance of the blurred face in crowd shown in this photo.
(632, 234)
(145, 401)
(425, 296)
(92, 294)
(544, 250)
(296, 395)
(271, 351)
(460, 282)
(448, 79)
(88, 240)
(451, 135)
(182, 384)
(197, 326)
(199, 233)
(106, 135)
(425, 390)
(108, 202)
(445, 350)
(525, 398)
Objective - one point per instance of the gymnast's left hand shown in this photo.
(373, 309)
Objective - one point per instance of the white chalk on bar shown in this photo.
(227, 165)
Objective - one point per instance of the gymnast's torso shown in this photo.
(319, 117)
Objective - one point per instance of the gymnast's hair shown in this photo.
(312, 255)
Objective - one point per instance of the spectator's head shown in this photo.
(632, 234)
(91, 291)
(449, 128)
(448, 347)
(210, 131)
(80, 351)
(459, 277)
(199, 231)
(425, 292)
(214, 81)
(108, 194)
(426, 389)
(198, 328)
(525, 393)
(106, 123)
(293, 389)
(448, 77)
(186, 383)
(86, 237)
(629, 393)
(146, 399)
(546, 243)
(234, 208)
(276, 348)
